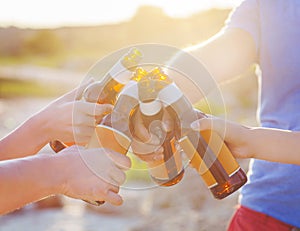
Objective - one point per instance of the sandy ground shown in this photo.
(185, 206)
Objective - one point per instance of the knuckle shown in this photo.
(127, 162)
(122, 178)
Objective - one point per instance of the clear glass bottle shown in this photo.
(107, 89)
(207, 152)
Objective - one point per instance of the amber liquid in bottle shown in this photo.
(172, 159)
(234, 177)
(168, 171)
(207, 152)
(106, 91)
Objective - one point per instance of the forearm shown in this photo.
(274, 145)
(25, 140)
(225, 56)
(27, 180)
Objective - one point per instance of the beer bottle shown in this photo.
(107, 89)
(113, 132)
(168, 171)
(207, 153)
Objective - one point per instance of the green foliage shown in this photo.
(138, 171)
(21, 88)
(209, 107)
(43, 42)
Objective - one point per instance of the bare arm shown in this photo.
(65, 119)
(225, 56)
(29, 179)
(26, 140)
(261, 143)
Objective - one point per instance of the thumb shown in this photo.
(94, 109)
(202, 124)
(76, 93)
(102, 109)
(120, 160)
(79, 91)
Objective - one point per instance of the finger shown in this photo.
(76, 93)
(81, 121)
(83, 131)
(226, 130)
(151, 157)
(114, 198)
(120, 160)
(82, 140)
(141, 148)
(102, 109)
(117, 176)
(114, 188)
(200, 114)
(92, 93)
(94, 109)
(140, 131)
(202, 124)
(110, 194)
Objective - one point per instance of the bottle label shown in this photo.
(107, 137)
(119, 73)
(170, 94)
(131, 89)
(223, 154)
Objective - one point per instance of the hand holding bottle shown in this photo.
(107, 89)
(92, 174)
(68, 118)
(235, 135)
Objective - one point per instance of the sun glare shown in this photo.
(36, 13)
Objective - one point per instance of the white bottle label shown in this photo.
(170, 94)
(131, 89)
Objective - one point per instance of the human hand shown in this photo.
(235, 135)
(71, 120)
(92, 174)
(146, 144)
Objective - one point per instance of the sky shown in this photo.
(55, 13)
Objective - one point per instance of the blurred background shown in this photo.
(47, 47)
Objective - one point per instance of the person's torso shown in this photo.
(274, 188)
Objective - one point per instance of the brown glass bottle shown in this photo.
(108, 137)
(106, 90)
(117, 121)
(168, 171)
(207, 152)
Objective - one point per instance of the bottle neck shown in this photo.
(120, 73)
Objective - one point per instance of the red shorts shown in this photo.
(246, 219)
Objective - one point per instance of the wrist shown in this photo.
(38, 124)
(46, 173)
(42, 126)
(57, 174)
(250, 142)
